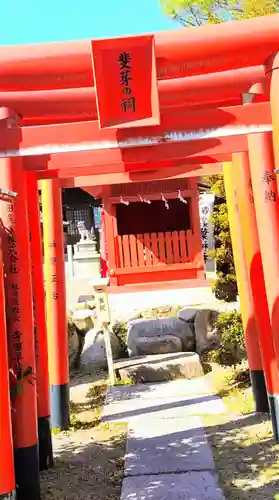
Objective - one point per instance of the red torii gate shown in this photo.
(60, 152)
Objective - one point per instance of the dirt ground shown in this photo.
(89, 458)
(246, 457)
(245, 454)
(88, 465)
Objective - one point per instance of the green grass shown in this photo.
(245, 453)
(232, 385)
(87, 415)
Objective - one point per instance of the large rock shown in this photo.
(158, 328)
(83, 319)
(187, 314)
(160, 368)
(158, 345)
(207, 335)
(93, 354)
(73, 346)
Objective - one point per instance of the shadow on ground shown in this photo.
(246, 457)
(87, 466)
(162, 407)
(90, 466)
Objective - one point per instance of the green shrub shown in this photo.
(120, 330)
(232, 347)
(225, 287)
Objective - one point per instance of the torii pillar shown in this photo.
(267, 213)
(57, 329)
(42, 378)
(250, 326)
(7, 476)
(257, 280)
(20, 331)
(268, 200)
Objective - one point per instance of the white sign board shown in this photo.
(206, 201)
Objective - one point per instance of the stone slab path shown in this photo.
(167, 456)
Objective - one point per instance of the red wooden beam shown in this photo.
(139, 169)
(71, 172)
(179, 128)
(79, 104)
(182, 52)
(122, 178)
(203, 151)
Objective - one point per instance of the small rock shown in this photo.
(207, 335)
(187, 314)
(83, 319)
(93, 354)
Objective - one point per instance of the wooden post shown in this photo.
(109, 225)
(103, 317)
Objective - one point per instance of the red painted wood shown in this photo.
(133, 250)
(120, 251)
(162, 247)
(79, 104)
(158, 268)
(126, 251)
(140, 246)
(147, 245)
(206, 49)
(157, 276)
(109, 229)
(183, 246)
(175, 244)
(179, 284)
(155, 248)
(82, 132)
(152, 196)
(85, 160)
(169, 250)
(109, 91)
(190, 245)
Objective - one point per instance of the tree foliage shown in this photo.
(200, 12)
(214, 12)
(225, 287)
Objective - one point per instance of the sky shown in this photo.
(33, 21)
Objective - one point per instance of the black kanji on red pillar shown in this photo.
(269, 195)
(268, 177)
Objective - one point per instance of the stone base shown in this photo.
(161, 367)
(87, 267)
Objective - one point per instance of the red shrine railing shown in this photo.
(156, 249)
